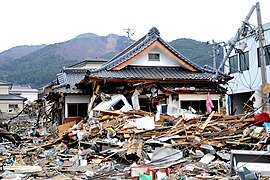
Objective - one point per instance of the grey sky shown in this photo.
(35, 22)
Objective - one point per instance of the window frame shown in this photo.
(233, 66)
(153, 56)
(78, 111)
(244, 61)
(13, 106)
(266, 53)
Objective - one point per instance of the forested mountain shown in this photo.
(38, 65)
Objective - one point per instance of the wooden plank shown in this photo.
(64, 127)
(207, 121)
(209, 177)
(43, 145)
(22, 169)
(232, 121)
(243, 139)
(116, 112)
(266, 89)
(215, 128)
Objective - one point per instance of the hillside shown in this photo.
(38, 65)
(17, 52)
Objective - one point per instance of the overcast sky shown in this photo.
(35, 22)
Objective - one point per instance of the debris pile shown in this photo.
(130, 145)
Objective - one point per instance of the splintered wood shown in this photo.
(135, 136)
(218, 130)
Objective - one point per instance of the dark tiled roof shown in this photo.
(138, 46)
(11, 97)
(70, 76)
(153, 73)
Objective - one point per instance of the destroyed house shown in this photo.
(150, 73)
(69, 102)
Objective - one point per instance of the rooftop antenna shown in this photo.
(215, 51)
(130, 32)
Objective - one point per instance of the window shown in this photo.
(267, 55)
(13, 106)
(233, 61)
(118, 105)
(153, 57)
(199, 105)
(244, 61)
(77, 110)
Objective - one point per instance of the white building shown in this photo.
(10, 103)
(244, 65)
(31, 94)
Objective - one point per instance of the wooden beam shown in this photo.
(207, 121)
(23, 169)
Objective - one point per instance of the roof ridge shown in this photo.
(139, 46)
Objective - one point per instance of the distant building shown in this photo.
(10, 103)
(31, 94)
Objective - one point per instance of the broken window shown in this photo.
(118, 105)
(77, 109)
(153, 57)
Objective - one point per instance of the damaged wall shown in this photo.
(181, 101)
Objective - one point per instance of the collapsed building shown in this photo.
(148, 113)
(149, 73)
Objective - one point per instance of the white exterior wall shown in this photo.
(4, 89)
(249, 80)
(75, 99)
(165, 60)
(4, 106)
(31, 97)
(92, 65)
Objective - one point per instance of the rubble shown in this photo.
(127, 145)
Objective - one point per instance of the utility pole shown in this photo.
(214, 57)
(235, 39)
(262, 54)
(215, 46)
(261, 49)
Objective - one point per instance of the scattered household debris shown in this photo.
(132, 144)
